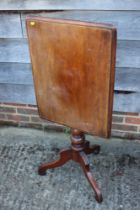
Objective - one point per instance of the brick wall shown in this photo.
(124, 125)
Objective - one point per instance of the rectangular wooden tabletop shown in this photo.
(73, 67)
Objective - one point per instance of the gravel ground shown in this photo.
(116, 168)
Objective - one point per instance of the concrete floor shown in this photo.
(116, 168)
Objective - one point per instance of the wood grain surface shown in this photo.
(73, 70)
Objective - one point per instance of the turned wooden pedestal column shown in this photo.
(78, 152)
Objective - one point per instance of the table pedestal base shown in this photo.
(78, 152)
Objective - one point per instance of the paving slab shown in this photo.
(116, 169)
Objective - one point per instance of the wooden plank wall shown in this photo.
(16, 84)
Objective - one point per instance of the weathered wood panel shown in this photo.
(128, 54)
(18, 86)
(126, 22)
(70, 4)
(127, 102)
(127, 79)
(16, 73)
(25, 94)
(14, 93)
(16, 50)
(10, 25)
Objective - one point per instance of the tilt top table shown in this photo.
(73, 66)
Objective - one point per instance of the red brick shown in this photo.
(126, 135)
(17, 118)
(126, 113)
(54, 127)
(124, 127)
(119, 113)
(132, 113)
(8, 123)
(132, 120)
(2, 116)
(30, 105)
(117, 118)
(31, 125)
(27, 111)
(7, 109)
(14, 104)
(37, 119)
